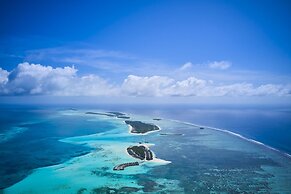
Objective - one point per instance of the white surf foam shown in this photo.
(234, 134)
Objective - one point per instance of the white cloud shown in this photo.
(186, 66)
(189, 87)
(192, 86)
(248, 89)
(220, 65)
(3, 79)
(145, 86)
(3, 76)
(36, 79)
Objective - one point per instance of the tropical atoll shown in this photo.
(140, 127)
(140, 152)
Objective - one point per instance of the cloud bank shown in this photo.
(36, 79)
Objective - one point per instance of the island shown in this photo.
(140, 152)
(110, 114)
(124, 165)
(97, 113)
(117, 113)
(140, 127)
(157, 119)
(123, 117)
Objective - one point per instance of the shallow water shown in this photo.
(85, 148)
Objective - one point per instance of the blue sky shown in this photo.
(226, 44)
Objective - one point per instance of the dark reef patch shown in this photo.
(81, 191)
(109, 190)
(218, 170)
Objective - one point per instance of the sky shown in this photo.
(146, 48)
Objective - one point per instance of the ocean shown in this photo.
(61, 149)
(270, 125)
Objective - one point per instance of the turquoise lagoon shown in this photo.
(83, 149)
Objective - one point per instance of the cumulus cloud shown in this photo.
(145, 86)
(3, 76)
(3, 79)
(192, 86)
(189, 87)
(220, 65)
(36, 79)
(186, 66)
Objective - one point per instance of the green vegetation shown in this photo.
(140, 127)
(140, 152)
(123, 117)
(117, 113)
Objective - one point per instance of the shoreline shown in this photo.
(155, 159)
(130, 129)
(237, 135)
